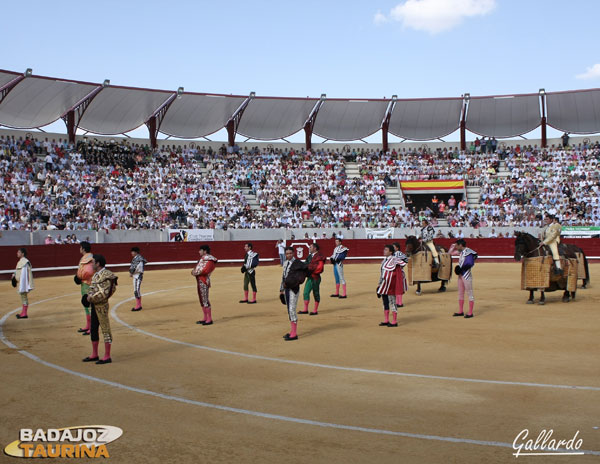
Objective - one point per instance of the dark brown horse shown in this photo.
(528, 246)
(414, 245)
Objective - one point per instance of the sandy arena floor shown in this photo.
(437, 389)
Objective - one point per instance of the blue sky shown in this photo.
(359, 49)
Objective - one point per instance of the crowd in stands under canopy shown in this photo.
(50, 184)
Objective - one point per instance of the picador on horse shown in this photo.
(528, 246)
(551, 238)
(425, 244)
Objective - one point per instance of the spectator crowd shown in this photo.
(48, 185)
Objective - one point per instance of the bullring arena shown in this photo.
(434, 388)
(503, 380)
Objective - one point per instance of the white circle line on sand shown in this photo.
(248, 412)
(334, 367)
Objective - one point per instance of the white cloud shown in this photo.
(380, 18)
(590, 73)
(435, 16)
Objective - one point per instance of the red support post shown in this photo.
(234, 122)
(544, 136)
(543, 124)
(463, 122)
(70, 122)
(310, 123)
(153, 122)
(308, 138)
(385, 126)
(384, 137)
(72, 116)
(153, 130)
(230, 133)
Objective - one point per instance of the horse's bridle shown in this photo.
(535, 249)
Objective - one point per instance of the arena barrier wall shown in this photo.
(50, 260)
(24, 238)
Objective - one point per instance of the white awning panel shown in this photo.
(575, 112)
(274, 118)
(425, 119)
(503, 116)
(193, 116)
(349, 119)
(116, 110)
(36, 102)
